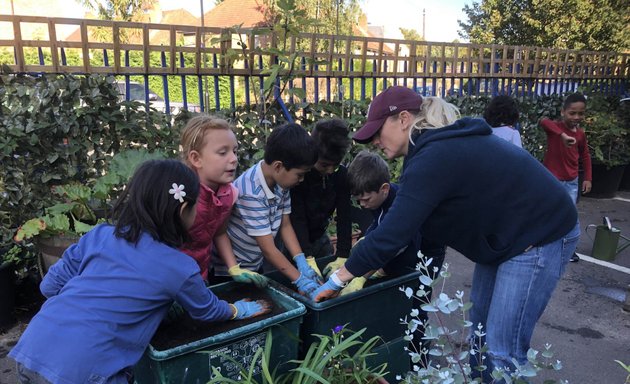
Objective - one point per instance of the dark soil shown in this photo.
(187, 330)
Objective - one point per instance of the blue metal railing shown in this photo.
(334, 89)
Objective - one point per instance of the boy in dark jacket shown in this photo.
(323, 192)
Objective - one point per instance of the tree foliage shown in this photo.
(122, 10)
(411, 34)
(564, 24)
(334, 17)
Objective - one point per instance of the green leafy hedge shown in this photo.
(60, 128)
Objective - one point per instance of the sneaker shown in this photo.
(575, 258)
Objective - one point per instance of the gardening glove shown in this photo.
(246, 308)
(174, 313)
(355, 285)
(246, 276)
(305, 268)
(329, 290)
(380, 273)
(305, 285)
(334, 265)
(313, 264)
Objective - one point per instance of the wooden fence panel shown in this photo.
(149, 49)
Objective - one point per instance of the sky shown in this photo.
(441, 15)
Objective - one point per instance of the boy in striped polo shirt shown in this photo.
(264, 204)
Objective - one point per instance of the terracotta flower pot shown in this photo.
(52, 249)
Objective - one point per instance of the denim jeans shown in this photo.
(509, 298)
(572, 187)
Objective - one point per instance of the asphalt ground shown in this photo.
(584, 322)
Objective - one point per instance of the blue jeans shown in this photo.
(509, 298)
(572, 187)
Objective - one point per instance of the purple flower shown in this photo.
(338, 329)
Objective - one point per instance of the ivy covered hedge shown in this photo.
(60, 128)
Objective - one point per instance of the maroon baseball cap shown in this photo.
(391, 101)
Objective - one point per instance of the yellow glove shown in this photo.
(334, 265)
(378, 274)
(313, 264)
(355, 285)
(246, 276)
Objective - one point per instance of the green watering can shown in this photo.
(606, 243)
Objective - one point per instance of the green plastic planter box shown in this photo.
(193, 362)
(393, 353)
(378, 307)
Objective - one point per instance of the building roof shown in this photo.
(249, 13)
(173, 17)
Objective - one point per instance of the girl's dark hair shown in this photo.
(291, 145)
(146, 205)
(502, 110)
(573, 98)
(332, 139)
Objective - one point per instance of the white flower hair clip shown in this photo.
(178, 192)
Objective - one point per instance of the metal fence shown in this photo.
(203, 68)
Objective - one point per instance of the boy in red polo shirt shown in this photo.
(567, 146)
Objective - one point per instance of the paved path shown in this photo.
(584, 321)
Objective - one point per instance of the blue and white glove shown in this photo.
(305, 285)
(246, 308)
(306, 269)
(329, 290)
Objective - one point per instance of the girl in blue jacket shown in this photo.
(111, 290)
(488, 199)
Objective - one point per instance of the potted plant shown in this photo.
(341, 358)
(61, 224)
(78, 208)
(608, 141)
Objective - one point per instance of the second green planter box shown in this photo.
(378, 307)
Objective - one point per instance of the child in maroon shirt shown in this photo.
(567, 145)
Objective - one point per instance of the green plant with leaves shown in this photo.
(284, 21)
(72, 217)
(608, 138)
(446, 360)
(627, 368)
(78, 204)
(339, 358)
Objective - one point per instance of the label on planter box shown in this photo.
(231, 359)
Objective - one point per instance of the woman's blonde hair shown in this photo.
(435, 112)
(194, 132)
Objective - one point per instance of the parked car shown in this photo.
(424, 91)
(137, 92)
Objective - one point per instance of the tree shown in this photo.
(563, 24)
(122, 10)
(411, 34)
(335, 17)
